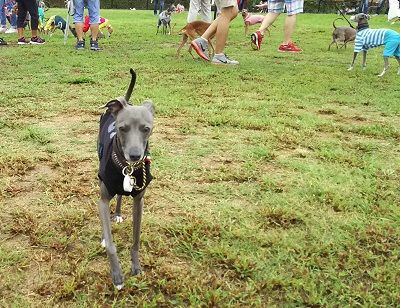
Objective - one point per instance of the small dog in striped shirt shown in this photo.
(369, 38)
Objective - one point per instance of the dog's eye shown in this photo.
(146, 129)
(123, 129)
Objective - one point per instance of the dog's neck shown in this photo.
(362, 26)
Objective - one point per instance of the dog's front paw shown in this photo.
(350, 68)
(118, 219)
(381, 74)
(118, 279)
(136, 271)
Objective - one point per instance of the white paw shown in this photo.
(350, 68)
(119, 286)
(103, 243)
(118, 219)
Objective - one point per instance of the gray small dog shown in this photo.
(124, 170)
(369, 38)
(342, 35)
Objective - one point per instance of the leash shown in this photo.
(341, 13)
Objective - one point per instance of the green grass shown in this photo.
(276, 181)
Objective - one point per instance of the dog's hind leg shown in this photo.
(118, 216)
(184, 40)
(104, 211)
(137, 211)
(398, 61)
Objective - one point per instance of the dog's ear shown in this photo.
(115, 105)
(149, 105)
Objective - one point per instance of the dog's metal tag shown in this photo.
(128, 187)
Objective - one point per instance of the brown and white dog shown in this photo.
(250, 20)
(192, 30)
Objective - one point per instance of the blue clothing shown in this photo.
(3, 20)
(370, 38)
(93, 8)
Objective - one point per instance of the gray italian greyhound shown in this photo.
(369, 38)
(124, 170)
(342, 34)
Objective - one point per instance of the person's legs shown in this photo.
(194, 7)
(94, 20)
(268, 20)
(205, 10)
(227, 14)
(290, 25)
(3, 19)
(379, 7)
(161, 6)
(22, 11)
(155, 7)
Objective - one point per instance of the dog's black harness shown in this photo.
(112, 162)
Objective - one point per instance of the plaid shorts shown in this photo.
(293, 7)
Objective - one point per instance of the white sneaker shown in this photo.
(3, 29)
(223, 60)
(11, 30)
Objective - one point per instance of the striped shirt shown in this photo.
(369, 38)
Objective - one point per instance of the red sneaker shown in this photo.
(256, 39)
(290, 47)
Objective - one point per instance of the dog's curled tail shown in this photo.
(131, 85)
(335, 20)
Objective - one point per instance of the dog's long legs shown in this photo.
(184, 40)
(352, 62)
(118, 215)
(104, 211)
(364, 61)
(385, 66)
(398, 61)
(137, 221)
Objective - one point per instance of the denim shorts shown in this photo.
(93, 8)
(293, 7)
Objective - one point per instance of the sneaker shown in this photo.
(200, 45)
(2, 42)
(3, 29)
(256, 39)
(22, 41)
(290, 47)
(36, 40)
(94, 45)
(223, 59)
(80, 45)
(11, 30)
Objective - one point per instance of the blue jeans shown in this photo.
(158, 5)
(12, 19)
(3, 19)
(93, 9)
(363, 8)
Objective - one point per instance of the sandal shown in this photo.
(2, 42)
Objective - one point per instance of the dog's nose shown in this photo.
(134, 157)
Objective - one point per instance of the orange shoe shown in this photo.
(290, 47)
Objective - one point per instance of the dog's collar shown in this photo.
(362, 27)
(120, 161)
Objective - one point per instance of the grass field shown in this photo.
(276, 181)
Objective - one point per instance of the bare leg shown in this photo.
(94, 31)
(227, 14)
(290, 25)
(268, 20)
(79, 31)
